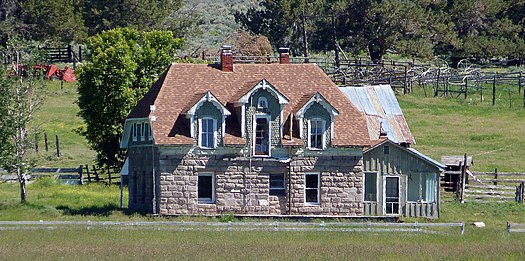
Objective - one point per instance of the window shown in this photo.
(277, 184)
(207, 130)
(262, 135)
(143, 131)
(206, 188)
(371, 187)
(421, 187)
(150, 132)
(386, 150)
(312, 187)
(262, 103)
(316, 134)
(134, 130)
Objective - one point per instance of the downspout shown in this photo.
(154, 199)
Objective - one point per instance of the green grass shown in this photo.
(58, 116)
(454, 126)
(48, 200)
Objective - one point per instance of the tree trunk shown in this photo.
(376, 49)
(23, 193)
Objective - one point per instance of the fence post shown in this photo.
(109, 175)
(522, 190)
(88, 174)
(494, 91)
(36, 143)
(466, 88)
(58, 145)
(462, 228)
(463, 178)
(97, 177)
(80, 175)
(495, 176)
(45, 142)
(405, 82)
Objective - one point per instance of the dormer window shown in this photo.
(207, 133)
(316, 134)
(262, 103)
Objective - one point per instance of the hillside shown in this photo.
(215, 22)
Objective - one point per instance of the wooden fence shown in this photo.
(81, 175)
(243, 226)
(489, 186)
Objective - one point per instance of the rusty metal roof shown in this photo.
(382, 110)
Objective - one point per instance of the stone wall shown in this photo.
(341, 185)
(242, 185)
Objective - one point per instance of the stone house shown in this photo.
(246, 139)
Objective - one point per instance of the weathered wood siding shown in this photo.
(399, 162)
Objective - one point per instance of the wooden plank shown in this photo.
(489, 197)
(498, 187)
(486, 192)
(503, 180)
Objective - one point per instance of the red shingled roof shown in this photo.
(179, 84)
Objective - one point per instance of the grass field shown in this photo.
(48, 200)
(58, 116)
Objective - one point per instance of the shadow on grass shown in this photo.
(105, 210)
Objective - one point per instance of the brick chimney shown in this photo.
(226, 58)
(284, 55)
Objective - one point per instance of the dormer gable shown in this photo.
(265, 85)
(207, 98)
(318, 115)
(261, 102)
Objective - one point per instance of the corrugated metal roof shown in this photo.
(427, 158)
(382, 110)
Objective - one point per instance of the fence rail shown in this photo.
(240, 226)
(81, 175)
(515, 227)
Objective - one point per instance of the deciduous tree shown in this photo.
(123, 65)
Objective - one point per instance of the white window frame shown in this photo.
(134, 133)
(254, 128)
(364, 185)
(398, 192)
(214, 133)
(262, 103)
(207, 200)
(323, 135)
(143, 131)
(318, 202)
(150, 133)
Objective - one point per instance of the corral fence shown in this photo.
(494, 186)
(81, 175)
(63, 54)
(241, 226)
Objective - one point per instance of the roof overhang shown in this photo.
(207, 97)
(265, 85)
(317, 98)
(127, 130)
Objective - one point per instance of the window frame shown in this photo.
(323, 133)
(205, 200)
(278, 190)
(214, 134)
(376, 185)
(422, 188)
(261, 100)
(254, 135)
(134, 133)
(385, 201)
(318, 189)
